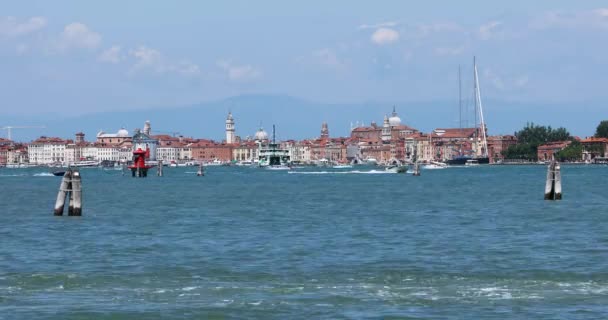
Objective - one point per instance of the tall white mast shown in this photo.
(478, 102)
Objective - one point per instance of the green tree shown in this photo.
(573, 152)
(602, 130)
(531, 136)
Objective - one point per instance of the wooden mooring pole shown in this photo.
(200, 171)
(553, 185)
(416, 169)
(71, 189)
(160, 168)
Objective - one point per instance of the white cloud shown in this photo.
(487, 30)
(379, 25)
(148, 59)
(11, 27)
(449, 51)
(328, 57)
(111, 55)
(428, 29)
(187, 68)
(384, 36)
(239, 73)
(596, 18)
(78, 35)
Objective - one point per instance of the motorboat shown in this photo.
(342, 166)
(472, 162)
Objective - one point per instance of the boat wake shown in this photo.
(43, 174)
(343, 172)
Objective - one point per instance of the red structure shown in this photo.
(139, 168)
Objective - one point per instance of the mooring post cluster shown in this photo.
(71, 189)
(553, 185)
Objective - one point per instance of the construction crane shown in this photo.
(10, 128)
(172, 133)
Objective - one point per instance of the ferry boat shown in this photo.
(85, 163)
(272, 157)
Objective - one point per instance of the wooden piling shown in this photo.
(416, 169)
(200, 172)
(160, 168)
(70, 189)
(75, 208)
(553, 184)
(63, 192)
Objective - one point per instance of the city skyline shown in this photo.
(98, 58)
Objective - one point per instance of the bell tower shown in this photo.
(230, 137)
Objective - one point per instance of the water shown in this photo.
(459, 243)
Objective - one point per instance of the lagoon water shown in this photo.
(459, 243)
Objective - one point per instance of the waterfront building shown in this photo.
(17, 154)
(245, 151)
(208, 151)
(546, 152)
(3, 155)
(595, 149)
(47, 150)
(392, 142)
(498, 144)
(5, 142)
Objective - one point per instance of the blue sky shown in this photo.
(76, 57)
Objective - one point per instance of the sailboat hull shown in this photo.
(463, 160)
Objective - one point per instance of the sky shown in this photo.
(77, 57)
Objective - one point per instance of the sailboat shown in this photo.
(482, 157)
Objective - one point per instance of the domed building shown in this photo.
(394, 120)
(261, 135)
(113, 138)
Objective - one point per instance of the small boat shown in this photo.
(58, 173)
(434, 166)
(371, 161)
(472, 162)
(343, 166)
(278, 167)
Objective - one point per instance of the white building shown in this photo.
(45, 150)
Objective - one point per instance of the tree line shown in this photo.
(532, 136)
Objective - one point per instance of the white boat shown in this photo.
(434, 166)
(371, 161)
(471, 162)
(278, 167)
(215, 162)
(342, 166)
(85, 163)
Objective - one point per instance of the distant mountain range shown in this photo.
(298, 118)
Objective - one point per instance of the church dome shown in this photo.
(261, 135)
(394, 120)
(122, 133)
